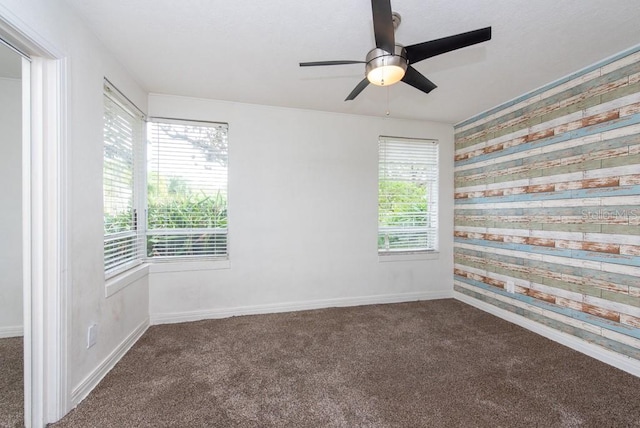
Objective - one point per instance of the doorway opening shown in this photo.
(42, 227)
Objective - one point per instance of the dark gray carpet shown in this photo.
(424, 364)
(11, 383)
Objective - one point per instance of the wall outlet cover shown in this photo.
(92, 335)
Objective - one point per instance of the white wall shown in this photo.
(53, 22)
(303, 215)
(11, 207)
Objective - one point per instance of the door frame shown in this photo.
(44, 196)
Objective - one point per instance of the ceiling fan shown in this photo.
(389, 63)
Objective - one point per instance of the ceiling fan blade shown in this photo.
(425, 50)
(414, 78)
(317, 63)
(359, 88)
(383, 25)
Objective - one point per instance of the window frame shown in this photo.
(121, 275)
(191, 259)
(119, 100)
(431, 182)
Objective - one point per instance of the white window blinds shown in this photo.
(186, 189)
(123, 135)
(407, 195)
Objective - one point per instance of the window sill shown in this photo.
(188, 265)
(126, 278)
(408, 257)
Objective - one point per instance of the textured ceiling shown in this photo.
(248, 51)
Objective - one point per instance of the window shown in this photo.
(123, 136)
(407, 195)
(185, 175)
(186, 189)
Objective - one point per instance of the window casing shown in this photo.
(166, 199)
(407, 195)
(123, 134)
(187, 172)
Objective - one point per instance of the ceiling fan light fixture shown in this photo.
(390, 62)
(384, 68)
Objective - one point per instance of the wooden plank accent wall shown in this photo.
(547, 205)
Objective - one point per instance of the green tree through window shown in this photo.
(407, 195)
(186, 189)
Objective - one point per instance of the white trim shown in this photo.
(177, 317)
(44, 222)
(614, 359)
(125, 279)
(407, 256)
(55, 245)
(31, 387)
(45, 255)
(82, 390)
(11, 331)
(176, 265)
(24, 38)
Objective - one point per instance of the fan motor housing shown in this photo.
(385, 68)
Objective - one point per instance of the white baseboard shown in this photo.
(614, 359)
(11, 331)
(177, 317)
(82, 390)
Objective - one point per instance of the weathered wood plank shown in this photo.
(548, 196)
(600, 312)
(629, 320)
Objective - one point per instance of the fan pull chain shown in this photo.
(388, 112)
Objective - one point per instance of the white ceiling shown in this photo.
(248, 50)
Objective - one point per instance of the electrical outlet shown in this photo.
(511, 287)
(92, 335)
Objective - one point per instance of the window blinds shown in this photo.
(123, 131)
(186, 189)
(407, 195)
